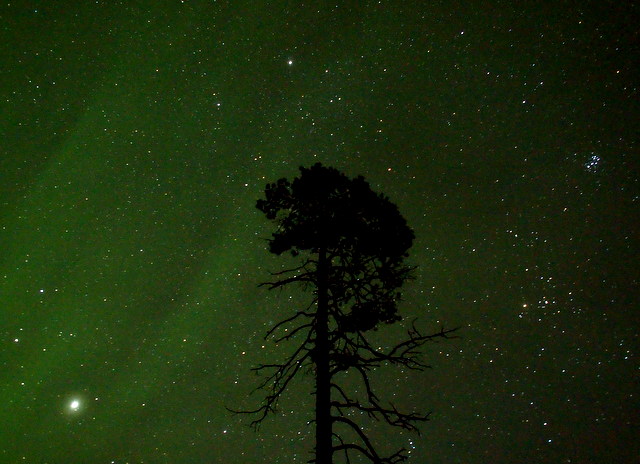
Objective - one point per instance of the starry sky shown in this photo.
(136, 137)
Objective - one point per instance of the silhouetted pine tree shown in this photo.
(351, 243)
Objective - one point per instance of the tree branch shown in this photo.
(295, 269)
(286, 321)
(306, 277)
(293, 332)
(372, 454)
(278, 381)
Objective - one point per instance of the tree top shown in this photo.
(323, 208)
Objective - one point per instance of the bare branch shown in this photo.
(391, 415)
(293, 332)
(372, 454)
(345, 447)
(349, 446)
(405, 353)
(286, 321)
(294, 269)
(277, 382)
(306, 277)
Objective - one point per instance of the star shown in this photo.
(74, 405)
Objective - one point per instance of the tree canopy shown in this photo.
(365, 237)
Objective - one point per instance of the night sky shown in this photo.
(137, 136)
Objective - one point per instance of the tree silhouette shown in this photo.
(351, 244)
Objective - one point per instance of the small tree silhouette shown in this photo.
(351, 243)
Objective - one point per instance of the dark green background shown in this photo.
(136, 137)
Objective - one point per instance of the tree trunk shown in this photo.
(324, 449)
